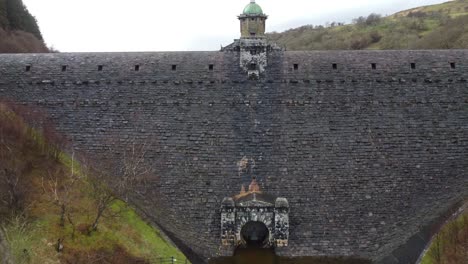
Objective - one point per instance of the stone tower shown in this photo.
(252, 21)
(253, 46)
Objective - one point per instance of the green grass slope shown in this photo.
(450, 245)
(30, 213)
(442, 26)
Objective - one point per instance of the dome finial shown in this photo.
(252, 21)
(253, 9)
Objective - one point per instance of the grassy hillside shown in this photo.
(450, 246)
(48, 203)
(19, 32)
(443, 26)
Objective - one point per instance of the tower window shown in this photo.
(374, 66)
(137, 67)
(174, 67)
(335, 66)
(211, 67)
(252, 34)
(413, 65)
(64, 68)
(296, 67)
(100, 67)
(253, 19)
(453, 65)
(28, 68)
(253, 67)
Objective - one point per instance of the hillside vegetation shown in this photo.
(51, 206)
(19, 32)
(450, 245)
(443, 26)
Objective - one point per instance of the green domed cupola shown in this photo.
(253, 21)
(253, 9)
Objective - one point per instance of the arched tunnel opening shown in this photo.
(255, 248)
(255, 234)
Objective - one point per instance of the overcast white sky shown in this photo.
(178, 25)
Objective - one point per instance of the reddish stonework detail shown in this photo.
(254, 187)
(242, 189)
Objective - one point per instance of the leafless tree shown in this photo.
(454, 233)
(10, 194)
(13, 197)
(132, 168)
(59, 186)
(115, 178)
(453, 237)
(104, 199)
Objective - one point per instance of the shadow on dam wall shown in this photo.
(268, 256)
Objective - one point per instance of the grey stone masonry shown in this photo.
(369, 150)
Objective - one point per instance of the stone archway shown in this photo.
(254, 218)
(255, 234)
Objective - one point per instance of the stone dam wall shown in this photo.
(369, 147)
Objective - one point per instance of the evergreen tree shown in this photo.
(30, 25)
(3, 14)
(19, 18)
(15, 13)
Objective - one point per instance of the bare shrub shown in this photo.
(14, 196)
(436, 251)
(118, 175)
(20, 42)
(39, 128)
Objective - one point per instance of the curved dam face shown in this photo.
(368, 150)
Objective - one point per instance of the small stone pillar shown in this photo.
(281, 222)
(228, 222)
